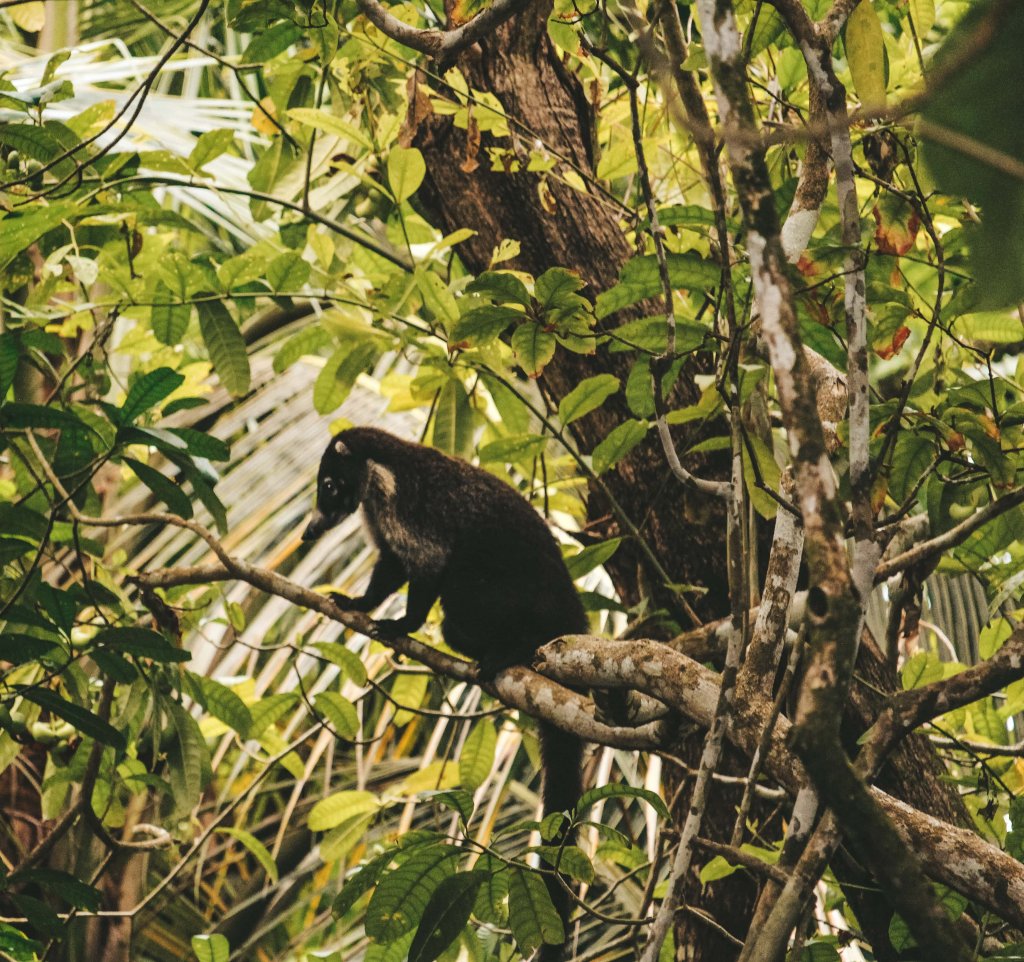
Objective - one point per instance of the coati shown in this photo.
(455, 532)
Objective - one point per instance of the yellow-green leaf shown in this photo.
(406, 170)
(865, 51)
(477, 755)
(332, 811)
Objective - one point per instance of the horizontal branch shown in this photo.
(957, 857)
(958, 534)
(440, 44)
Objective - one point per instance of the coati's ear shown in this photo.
(340, 447)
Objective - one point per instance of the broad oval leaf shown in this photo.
(587, 396)
(618, 444)
(332, 811)
(445, 915)
(865, 51)
(398, 903)
(211, 948)
(533, 347)
(531, 914)
(340, 712)
(406, 170)
(168, 317)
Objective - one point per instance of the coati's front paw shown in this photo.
(345, 603)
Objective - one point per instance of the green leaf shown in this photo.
(18, 415)
(187, 775)
(18, 232)
(408, 691)
(9, 357)
(912, 456)
(287, 272)
(517, 449)
(211, 948)
(67, 887)
(453, 420)
(501, 287)
(307, 341)
(277, 160)
(256, 847)
(168, 317)
(531, 914)
(618, 444)
(270, 709)
(221, 702)
(341, 839)
(459, 800)
(717, 868)
(445, 915)
(865, 52)
(209, 146)
(482, 325)
(587, 396)
(85, 721)
(163, 487)
(244, 268)
(923, 14)
(557, 287)
(18, 946)
(570, 860)
(270, 42)
(332, 811)
(617, 790)
(437, 298)
(340, 712)
(148, 391)
(335, 380)
(820, 952)
(361, 883)
(477, 756)
(406, 170)
(226, 346)
(348, 661)
(403, 894)
(591, 557)
(640, 279)
(143, 642)
(330, 124)
(533, 347)
(201, 444)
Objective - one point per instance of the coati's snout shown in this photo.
(318, 524)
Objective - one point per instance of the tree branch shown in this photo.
(441, 44)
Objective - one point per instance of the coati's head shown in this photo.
(339, 488)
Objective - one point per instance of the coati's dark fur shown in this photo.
(455, 532)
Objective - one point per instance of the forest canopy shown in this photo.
(731, 291)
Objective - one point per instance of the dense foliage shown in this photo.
(217, 245)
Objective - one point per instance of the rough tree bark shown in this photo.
(547, 107)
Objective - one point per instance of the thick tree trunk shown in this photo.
(555, 224)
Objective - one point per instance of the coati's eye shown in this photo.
(329, 486)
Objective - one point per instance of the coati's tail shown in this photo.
(562, 759)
